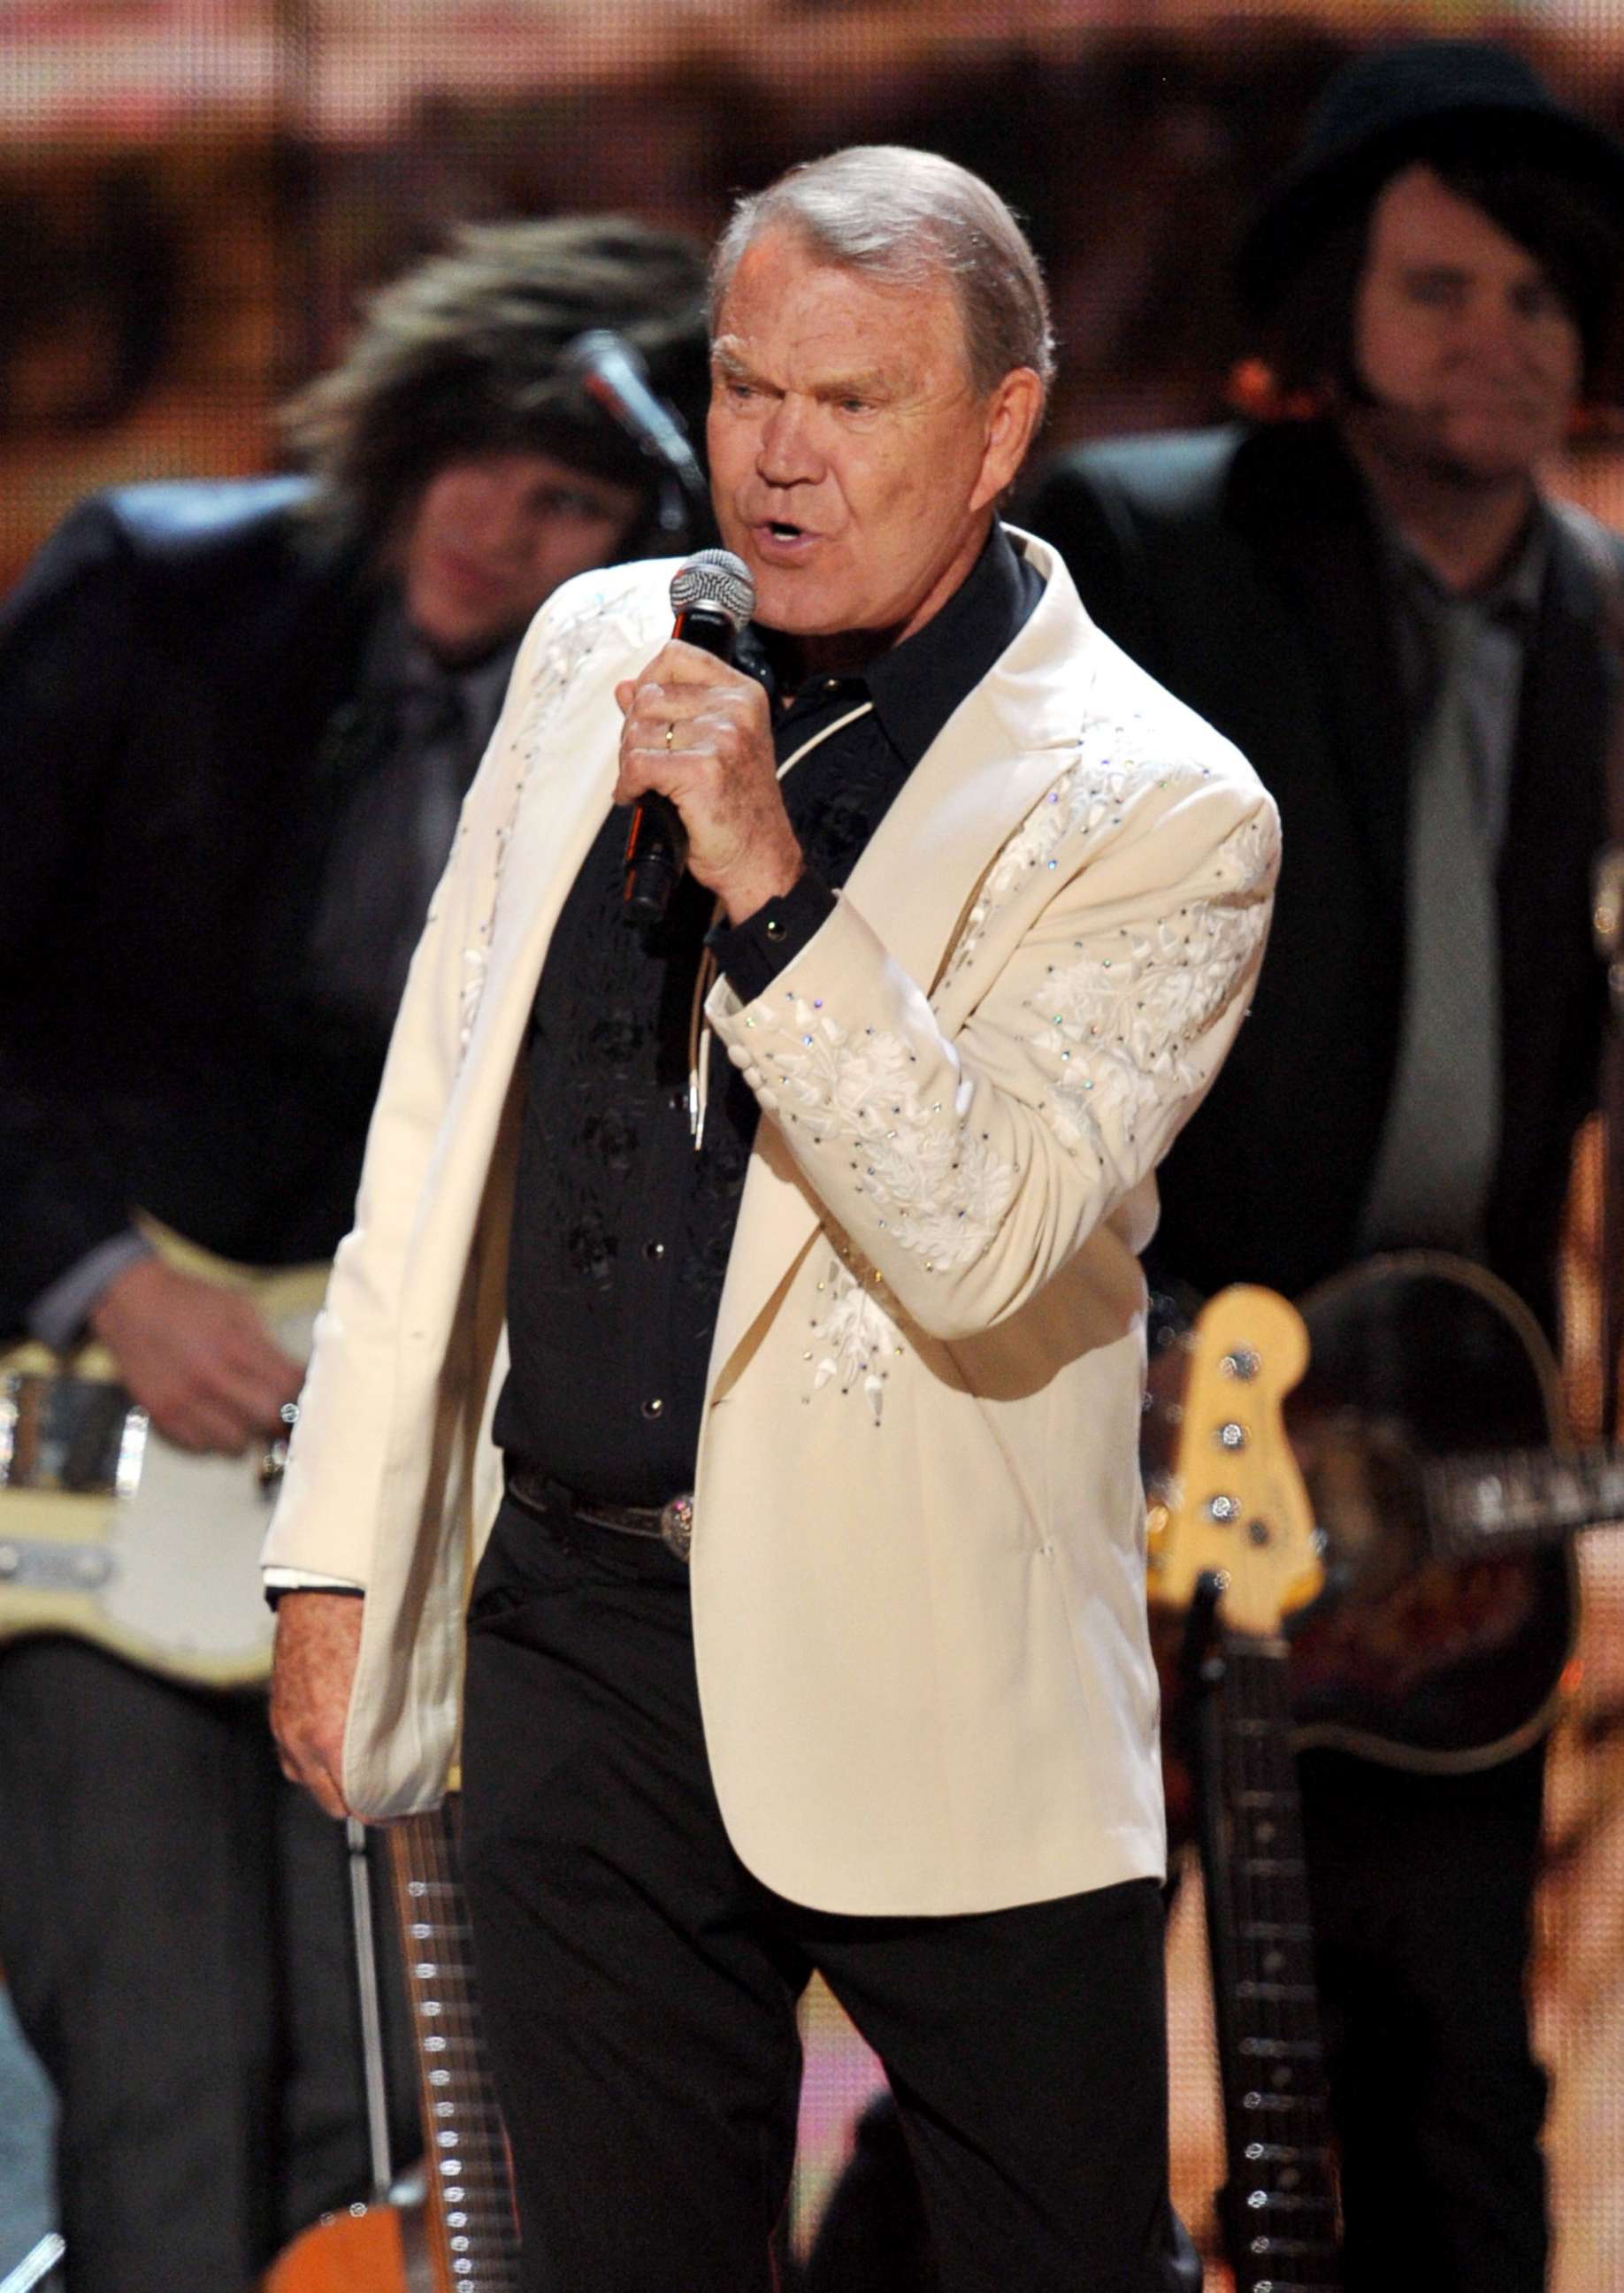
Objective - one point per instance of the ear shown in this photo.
(1014, 408)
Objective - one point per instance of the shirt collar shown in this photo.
(398, 660)
(1512, 596)
(917, 684)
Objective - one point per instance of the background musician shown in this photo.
(236, 724)
(1382, 606)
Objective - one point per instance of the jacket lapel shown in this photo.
(566, 787)
(537, 851)
(1301, 497)
(1569, 689)
(1556, 824)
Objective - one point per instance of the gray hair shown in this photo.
(909, 218)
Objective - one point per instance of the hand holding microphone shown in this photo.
(696, 760)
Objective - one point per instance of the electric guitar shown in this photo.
(111, 1532)
(1232, 1550)
(1428, 1428)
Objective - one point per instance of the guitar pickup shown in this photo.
(37, 1565)
(69, 1434)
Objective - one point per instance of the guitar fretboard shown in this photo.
(1513, 1499)
(470, 2197)
(1281, 2201)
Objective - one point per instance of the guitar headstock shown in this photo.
(1230, 1499)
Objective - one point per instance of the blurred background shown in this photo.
(194, 194)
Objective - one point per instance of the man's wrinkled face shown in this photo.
(494, 536)
(853, 462)
(1460, 333)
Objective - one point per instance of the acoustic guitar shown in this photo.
(1233, 1551)
(459, 2232)
(111, 1532)
(1428, 1428)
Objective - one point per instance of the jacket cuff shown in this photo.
(278, 1581)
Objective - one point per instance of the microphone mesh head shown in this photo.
(716, 579)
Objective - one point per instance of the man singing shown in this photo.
(822, 1202)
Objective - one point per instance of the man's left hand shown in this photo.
(701, 733)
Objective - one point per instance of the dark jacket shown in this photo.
(1245, 572)
(170, 667)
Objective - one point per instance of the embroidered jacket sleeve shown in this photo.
(1096, 987)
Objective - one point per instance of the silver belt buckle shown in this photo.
(676, 1526)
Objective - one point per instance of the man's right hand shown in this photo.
(318, 1639)
(197, 1359)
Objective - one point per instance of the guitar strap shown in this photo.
(1607, 921)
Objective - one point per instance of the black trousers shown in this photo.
(639, 1987)
(1422, 1888)
(174, 1926)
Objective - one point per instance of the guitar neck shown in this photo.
(1280, 2204)
(474, 2231)
(1512, 1500)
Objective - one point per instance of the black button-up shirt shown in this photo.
(622, 1225)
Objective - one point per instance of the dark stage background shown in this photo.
(194, 193)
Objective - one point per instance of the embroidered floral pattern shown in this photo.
(1248, 861)
(1088, 796)
(942, 1186)
(1117, 1031)
(571, 639)
(1118, 1034)
(855, 1335)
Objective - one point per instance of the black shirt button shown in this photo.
(653, 1252)
(654, 1408)
(774, 928)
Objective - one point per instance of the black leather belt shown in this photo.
(671, 1523)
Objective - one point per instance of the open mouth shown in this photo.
(783, 536)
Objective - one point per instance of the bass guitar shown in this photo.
(111, 1532)
(1233, 1550)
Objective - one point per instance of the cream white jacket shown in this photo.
(917, 1571)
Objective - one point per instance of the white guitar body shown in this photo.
(111, 1534)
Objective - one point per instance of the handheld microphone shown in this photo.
(713, 596)
(612, 373)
